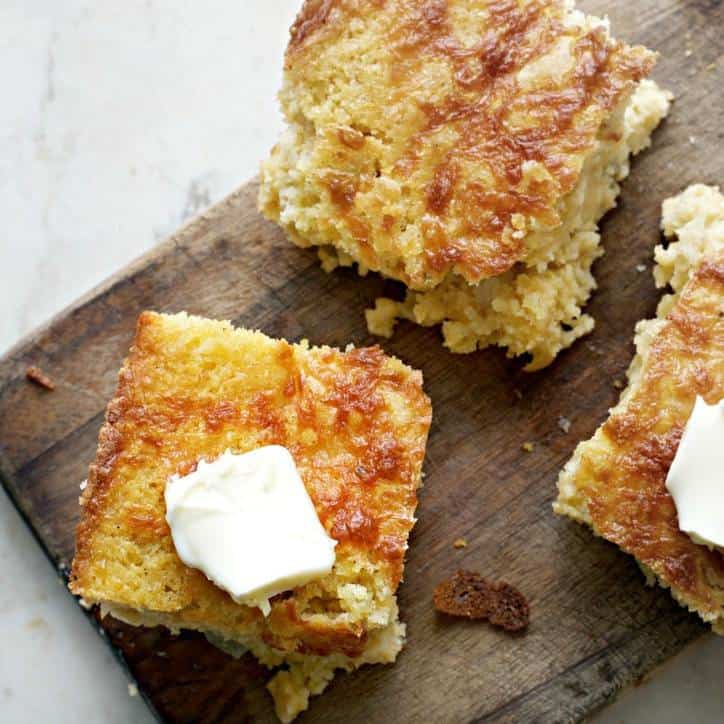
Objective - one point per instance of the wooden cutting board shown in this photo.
(595, 626)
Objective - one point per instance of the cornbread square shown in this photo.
(356, 424)
(615, 482)
(466, 148)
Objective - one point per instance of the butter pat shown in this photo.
(696, 476)
(247, 522)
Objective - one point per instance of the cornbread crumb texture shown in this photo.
(696, 218)
(468, 595)
(505, 131)
(355, 423)
(615, 482)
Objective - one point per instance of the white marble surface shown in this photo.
(117, 122)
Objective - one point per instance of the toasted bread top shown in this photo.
(621, 472)
(437, 134)
(355, 422)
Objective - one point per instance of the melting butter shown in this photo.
(247, 522)
(696, 476)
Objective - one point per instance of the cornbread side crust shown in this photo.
(356, 423)
(615, 482)
(448, 143)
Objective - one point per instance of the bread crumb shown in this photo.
(518, 394)
(84, 604)
(527, 446)
(460, 543)
(641, 268)
(618, 384)
(692, 140)
(83, 484)
(468, 595)
(36, 375)
(688, 53)
(564, 423)
(132, 690)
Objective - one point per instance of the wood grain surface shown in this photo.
(595, 626)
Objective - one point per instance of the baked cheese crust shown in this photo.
(466, 148)
(356, 423)
(439, 133)
(615, 482)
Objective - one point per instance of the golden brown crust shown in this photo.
(468, 595)
(470, 138)
(356, 424)
(622, 471)
(311, 19)
(287, 631)
(93, 498)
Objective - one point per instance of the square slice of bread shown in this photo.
(466, 148)
(615, 482)
(356, 423)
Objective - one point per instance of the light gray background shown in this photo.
(117, 122)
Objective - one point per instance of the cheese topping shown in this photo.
(696, 476)
(247, 522)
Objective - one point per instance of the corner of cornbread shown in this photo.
(356, 424)
(615, 482)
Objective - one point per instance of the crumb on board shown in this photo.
(37, 376)
(518, 394)
(688, 53)
(618, 384)
(640, 268)
(527, 446)
(132, 690)
(594, 348)
(83, 484)
(460, 543)
(564, 423)
(692, 140)
(467, 594)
